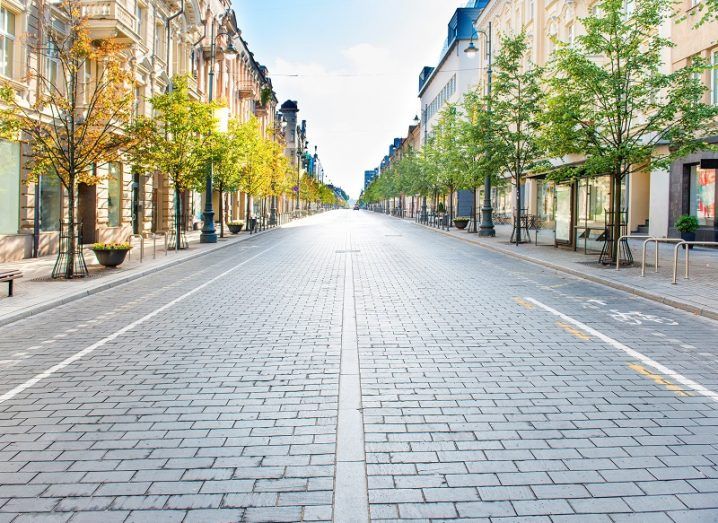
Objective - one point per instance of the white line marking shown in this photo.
(87, 350)
(697, 387)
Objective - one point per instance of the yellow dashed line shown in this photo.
(525, 304)
(575, 332)
(660, 380)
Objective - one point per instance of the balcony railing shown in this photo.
(110, 19)
(247, 89)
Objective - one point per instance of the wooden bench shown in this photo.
(9, 276)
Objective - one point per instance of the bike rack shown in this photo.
(675, 257)
(656, 241)
(627, 237)
(142, 246)
(154, 243)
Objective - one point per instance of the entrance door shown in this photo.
(87, 211)
(563, 214)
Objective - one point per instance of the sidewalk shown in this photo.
(36, 291)
(698, 294)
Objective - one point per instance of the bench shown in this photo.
(9, 276)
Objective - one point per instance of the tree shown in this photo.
(513, 133)
(77, 117)
(224, 151)
(450, 155)
(256, 158)
(612, 101)
(480, 154)
(175, 141)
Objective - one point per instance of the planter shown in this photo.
(235, 228)
(111, 257)
(688, 237)
(461, 224)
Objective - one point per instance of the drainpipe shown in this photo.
(169, 33)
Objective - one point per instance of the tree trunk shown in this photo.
(247, 212)
(518, 210)
(178, 218)
(474, 203)
(221, 210)
(616, 232)
(72, 241)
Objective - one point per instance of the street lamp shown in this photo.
(487, 222)
(301, 148)
(209, 234)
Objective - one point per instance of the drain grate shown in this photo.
(347, 252)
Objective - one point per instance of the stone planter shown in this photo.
(235, 228)
(111, 257)
(688, 237)
(461, 224)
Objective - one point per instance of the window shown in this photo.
(114, 195)
(9, 187)
(702, 195)
(50, 202)
(140, 20)
(531, 9)
(571, 33)
(714, 78)
(7, 42)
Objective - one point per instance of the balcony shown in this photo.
(260, 111)
(110, 19)
(247, 89)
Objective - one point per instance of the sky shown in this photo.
(353, 67)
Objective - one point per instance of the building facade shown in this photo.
(163, 39)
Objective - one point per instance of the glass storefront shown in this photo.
(562, 213)
(593, 199)
(545, 203)
(114, 195)
(9, 187)
(50, 202)
(702, 195)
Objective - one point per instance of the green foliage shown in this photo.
(176, 140)
(122, 246)
(687, 223)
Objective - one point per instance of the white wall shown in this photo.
(658, 214)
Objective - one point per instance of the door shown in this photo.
(563, 214)
(87, 211)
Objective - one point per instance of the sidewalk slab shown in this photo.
(697, 295)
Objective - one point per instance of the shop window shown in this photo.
(114, 195)
(545, 202)
(7, 42)
(50, 202)
(702, 195)
(9, 187)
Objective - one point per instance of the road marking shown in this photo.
(575, 332)
(87, 350)
(351, 500)
(523, 303)
(660, 380)
(696, 387)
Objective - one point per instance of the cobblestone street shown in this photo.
(356, 367)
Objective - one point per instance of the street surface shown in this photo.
(352, 367)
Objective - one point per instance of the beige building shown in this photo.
(124, 202)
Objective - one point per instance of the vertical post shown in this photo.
(209, 234)
(487, 222)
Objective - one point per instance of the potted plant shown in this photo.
(235, 226)
(460, 222)
(687, 225)
(111, 254)
(441, 208)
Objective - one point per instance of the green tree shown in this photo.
(612, 100)
(224, 150)
(175, 141)
(450, 153)
(513, 140)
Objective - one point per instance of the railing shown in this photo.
(687, 247)
(110, 10)
(142, 246)
(154, 243)
(629, 237)
(656, 242)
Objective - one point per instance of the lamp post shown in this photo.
(487, 222)
(209, 234)
(301, 147)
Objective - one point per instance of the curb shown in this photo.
(36, 309)
(671, 302)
